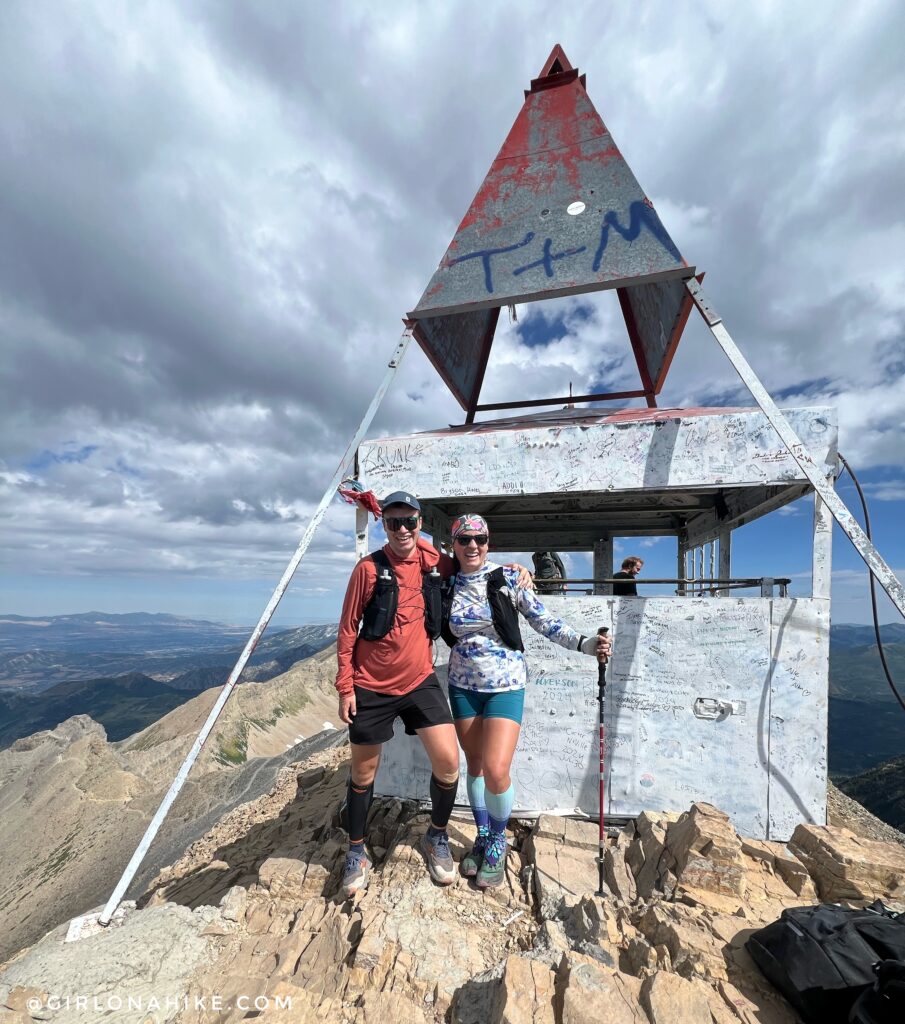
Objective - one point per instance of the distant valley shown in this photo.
(127, 671)
(866, 724)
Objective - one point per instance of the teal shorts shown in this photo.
(471, 703)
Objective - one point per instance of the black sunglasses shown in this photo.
(395, 523)
(479, 538)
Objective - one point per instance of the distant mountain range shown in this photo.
(93, 631)
(847, 634)
(46, 687)
(38, 653)
(133, 668)
(866, 724)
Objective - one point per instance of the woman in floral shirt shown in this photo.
(487, 678)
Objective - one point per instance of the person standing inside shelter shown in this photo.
(549, 572)
(631, 566)
(487, 677)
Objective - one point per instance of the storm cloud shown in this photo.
(213, 216)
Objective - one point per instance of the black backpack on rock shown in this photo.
(884, 1003)
(822, 958)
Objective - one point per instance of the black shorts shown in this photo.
(376, 713)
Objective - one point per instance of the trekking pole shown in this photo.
(601, 841)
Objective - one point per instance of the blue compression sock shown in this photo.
(475, 786)
(499, 807)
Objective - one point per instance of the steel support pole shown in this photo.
(362, 521)
(132, 867)
(682, 562)
(821, 559)
(725, 570)
(874, 560)
(603, 565)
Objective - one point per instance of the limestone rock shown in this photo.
(525, 994)
(543, 948)
(703, 852)
(645, 852)
(591, 927)
(15, 1017)
(846, 867)
(669, 999)
(780, 861)
(550, 942)
(21, 996)
(388, 1008)
(686, 934)
(618, 874)
(583, 835)
(769, 1008)
(233, 904)
(563, 872)
(285, 1003)
(292, 878)
(592, 992)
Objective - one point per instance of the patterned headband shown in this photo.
(470, 523)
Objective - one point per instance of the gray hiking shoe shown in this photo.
(471, 862)
(439, 860)
(493, 869)
(356, 873)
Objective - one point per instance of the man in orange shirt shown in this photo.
(387, 672)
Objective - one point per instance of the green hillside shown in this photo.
(856, 672)
(122, 706)
(882, 791)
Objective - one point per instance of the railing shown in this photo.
(691, 587)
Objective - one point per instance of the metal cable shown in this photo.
(873, 586)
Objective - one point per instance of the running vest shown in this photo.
(503, 612)
(379, 615)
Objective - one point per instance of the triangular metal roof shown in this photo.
(559, 213)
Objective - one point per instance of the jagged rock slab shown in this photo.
(587, 987)
(847, 867)
(151, 956)
(525, 994)
(563, 854)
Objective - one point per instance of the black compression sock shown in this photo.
(443, 796)
(358, 803)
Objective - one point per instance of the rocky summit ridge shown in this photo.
(248, 923)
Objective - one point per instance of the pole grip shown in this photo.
(601, 665)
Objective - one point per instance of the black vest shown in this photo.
(379, 616)
(503, 612)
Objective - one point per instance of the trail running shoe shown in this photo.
(439, 860)
(493, 869)
(471, 862)
(356, 873)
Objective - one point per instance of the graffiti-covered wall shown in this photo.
(634, 451)
(723, 700)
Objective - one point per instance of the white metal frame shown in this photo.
(361, 537)
(836, 506)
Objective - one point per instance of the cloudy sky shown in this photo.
(214, 214)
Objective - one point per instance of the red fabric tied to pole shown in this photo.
(366, 499)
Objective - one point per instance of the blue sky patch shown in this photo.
(48, 458)
(540, 328)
